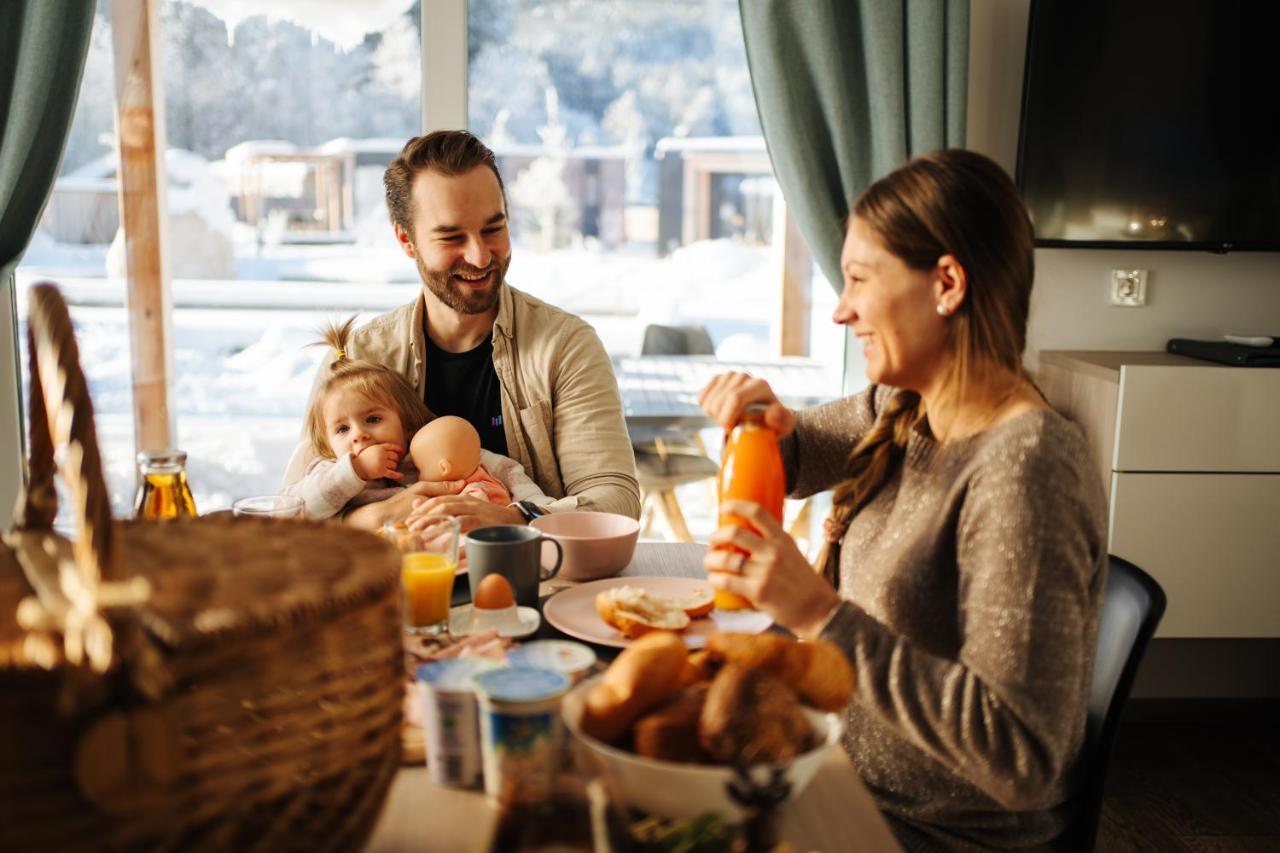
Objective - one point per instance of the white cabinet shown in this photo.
(1190, 455)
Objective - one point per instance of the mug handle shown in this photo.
(559, 559)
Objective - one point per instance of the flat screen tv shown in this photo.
(1152, 124)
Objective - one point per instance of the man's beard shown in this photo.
(465, 300)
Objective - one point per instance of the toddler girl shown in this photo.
(359, 424)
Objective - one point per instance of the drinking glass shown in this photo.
(428, 564)
(268, 506)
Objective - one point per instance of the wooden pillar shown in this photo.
(143, 215)
(796, 265)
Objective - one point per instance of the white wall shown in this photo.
(1189, 294)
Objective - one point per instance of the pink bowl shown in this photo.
(596, 544)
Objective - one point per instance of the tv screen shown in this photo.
(1152, 124)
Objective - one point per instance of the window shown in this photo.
(277, 139)
(640, 187)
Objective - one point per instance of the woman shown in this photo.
(965, 555)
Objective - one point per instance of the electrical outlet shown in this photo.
(1129, 288)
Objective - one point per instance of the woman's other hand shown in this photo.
(772, 572)
(727, 394)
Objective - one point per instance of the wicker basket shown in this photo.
(218, 683)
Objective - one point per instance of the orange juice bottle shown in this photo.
(750, 470)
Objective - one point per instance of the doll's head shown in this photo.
(360, 397)
(447, 448)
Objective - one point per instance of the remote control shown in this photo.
(1250, 340)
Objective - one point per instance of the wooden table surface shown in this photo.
(834, 813)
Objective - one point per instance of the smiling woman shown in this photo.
(965, 549)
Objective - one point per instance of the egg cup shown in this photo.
(514, 621)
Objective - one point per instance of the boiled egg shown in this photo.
(494, 593)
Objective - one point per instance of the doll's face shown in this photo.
(448, 448)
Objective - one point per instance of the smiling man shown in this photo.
(535, 381)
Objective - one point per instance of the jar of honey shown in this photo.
(750, 470)
(163, 492)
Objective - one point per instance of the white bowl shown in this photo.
(672, 789)
(596, 544)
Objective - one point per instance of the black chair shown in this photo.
(667, 458)
(1132, 606)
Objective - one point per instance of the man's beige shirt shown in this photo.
(560, 406)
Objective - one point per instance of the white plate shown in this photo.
(573, 611)
(460, 622)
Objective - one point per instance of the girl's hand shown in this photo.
(727, 394)
(378, 460)
(772, 573)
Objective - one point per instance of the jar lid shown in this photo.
(521, 684)
(560, 655)
(454, 673)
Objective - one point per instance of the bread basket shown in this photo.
(215, 683)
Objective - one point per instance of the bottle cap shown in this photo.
(167, 459)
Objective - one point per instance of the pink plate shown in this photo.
(573, 611)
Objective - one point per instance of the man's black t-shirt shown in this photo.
(465, 384)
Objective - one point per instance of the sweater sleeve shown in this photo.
(327, 486)
(816, 454)
(1008, 713)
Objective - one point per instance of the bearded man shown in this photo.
(533, 380)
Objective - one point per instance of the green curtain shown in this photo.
(43, 44)
(848, 90)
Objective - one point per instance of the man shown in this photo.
(535, 381)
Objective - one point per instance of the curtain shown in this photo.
(848, 90)
(43, 45)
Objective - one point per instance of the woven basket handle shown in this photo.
(62, 416)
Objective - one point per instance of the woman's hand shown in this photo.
(398, 506)
(727, 394)
(772, 573)
(470, 512)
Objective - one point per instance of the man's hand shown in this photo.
(400, 505)
(470, 512)
(378, 460)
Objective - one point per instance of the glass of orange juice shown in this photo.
(428, 565)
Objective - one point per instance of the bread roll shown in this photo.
(635, 612)
(670, 731)
(751, 717)
(646, 673)
(816, 669)
(699, 667)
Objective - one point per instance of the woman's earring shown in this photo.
(943, 311)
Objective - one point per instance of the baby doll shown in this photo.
(448, 448)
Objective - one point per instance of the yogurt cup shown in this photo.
(451, 720)
(572, 659)
(520, 731)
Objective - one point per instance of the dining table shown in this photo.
(835, 812)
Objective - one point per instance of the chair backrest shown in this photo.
(676, 340)
(1132, 606)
